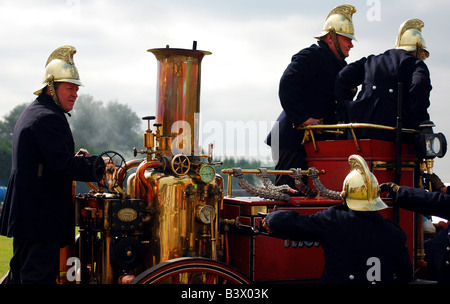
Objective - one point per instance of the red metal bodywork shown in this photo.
(267, 259)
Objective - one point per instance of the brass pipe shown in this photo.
(354, 126)
(140, 175)
(91, 186)
(129, 165)
(355, 140)
(107, 271)
(213, 237)
(429, 165)
(229, 187)
(309, 131)
(227, 256)
(140, 178)
(256, 171)
(420, 249)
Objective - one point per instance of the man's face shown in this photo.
(67, 95)
(346, 44)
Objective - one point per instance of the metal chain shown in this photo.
(258, 191)
(269, 185)
(300, 185)
(270, 191)
(314, 174)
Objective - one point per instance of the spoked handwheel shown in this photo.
(180, 164)
(189, 270)
(114, 162)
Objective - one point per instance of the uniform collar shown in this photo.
(327, 49)
(47, 100)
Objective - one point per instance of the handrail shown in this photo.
(309, 131)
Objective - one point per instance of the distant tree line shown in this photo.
(98, 126)
(6, 129)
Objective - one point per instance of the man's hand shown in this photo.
(82, 153)
(435, 181)
(392, 188)
(311, 121)
(264, 224)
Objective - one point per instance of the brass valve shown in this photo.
(149, 141)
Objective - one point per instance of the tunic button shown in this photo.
(351, 277)
(374, 87)
(391, 91)
(448, 248)
(447, 263)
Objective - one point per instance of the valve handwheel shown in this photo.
(114, 163)
(180, 164)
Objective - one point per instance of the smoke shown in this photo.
(99, 127)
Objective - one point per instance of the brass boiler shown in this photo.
(180, 189)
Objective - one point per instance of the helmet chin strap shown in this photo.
(51, 86)
(420, 52)
(336, 44)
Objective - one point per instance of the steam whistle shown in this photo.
(155, 143)
(149, 140)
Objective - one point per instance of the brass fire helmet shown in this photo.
(339, 20)
(410, 38)
(60, 68)
(360, 190)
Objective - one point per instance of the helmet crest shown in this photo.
(360, 190)
(60, 67)
(340, 21)
(64, 53)
(410, 38)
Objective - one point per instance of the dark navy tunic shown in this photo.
(437, 253)
(38, 203)
(377, 102)
(306, 90)
(351, 240)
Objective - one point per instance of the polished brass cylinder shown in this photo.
(149, 140)
(178, 97)
(176, 229)
(107, 271)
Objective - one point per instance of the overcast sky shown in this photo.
(252, 42)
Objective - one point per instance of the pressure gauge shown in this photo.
(207, 173)
(205, 213)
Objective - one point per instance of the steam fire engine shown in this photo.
(166, 217)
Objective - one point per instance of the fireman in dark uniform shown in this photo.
(435, 203)
(38, 209)
(360, 246)
(306, 90)
(379, 75)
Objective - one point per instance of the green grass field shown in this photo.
(6, 249)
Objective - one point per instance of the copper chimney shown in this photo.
(178, 97)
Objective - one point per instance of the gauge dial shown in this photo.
(205, 214)
(207, 173)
